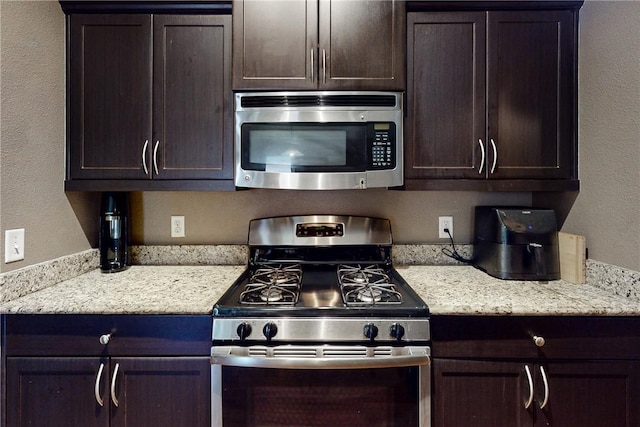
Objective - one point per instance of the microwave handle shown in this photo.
(312, 55)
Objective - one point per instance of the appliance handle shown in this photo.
(324, 66)
(414, 356)
(312, 62)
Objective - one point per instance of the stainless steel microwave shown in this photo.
(318, 140)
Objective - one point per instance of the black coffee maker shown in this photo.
(114, 232)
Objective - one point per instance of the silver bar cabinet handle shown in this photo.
(482, 156)
(530, 380)
(495, 155)
(546, 388)
(96, 388)
(114, 399)
(324, 66)
(155, 156)
(144, 157)
(312, 54)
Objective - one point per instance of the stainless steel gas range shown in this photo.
(320, 330)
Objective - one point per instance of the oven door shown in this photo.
(323, 385)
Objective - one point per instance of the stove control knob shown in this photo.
(370, 331)
(244, 330)
(396, 331)
(270, 330)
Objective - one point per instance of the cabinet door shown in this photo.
(193, 124)
(446, 93)
(479, 394)
(168, 392)
(590, 394)
(362, 44)
(56, 391)
(109, 95)
(275, 44)
(532, 75)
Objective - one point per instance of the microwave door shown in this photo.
(293, 148)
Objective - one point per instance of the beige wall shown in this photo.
(32, 156)
(607, 209)
(224, 217)
(32, 82)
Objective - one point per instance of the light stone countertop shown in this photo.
(136, 290)
(465, 290)
(447, 290)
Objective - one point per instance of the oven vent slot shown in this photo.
(382, 352)
(344, 352)
(258, 351)
(360, 101)
(294, 352)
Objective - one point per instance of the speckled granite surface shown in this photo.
(201, 274)
(137, 290)
(465, 290)
(625, 283)
(15, 284)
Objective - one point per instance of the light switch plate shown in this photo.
(13, 245)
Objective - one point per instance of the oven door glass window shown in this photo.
(304, 147)
(291, 397)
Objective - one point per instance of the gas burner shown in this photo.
(368, 285)
(273, 285)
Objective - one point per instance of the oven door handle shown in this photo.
(320, 357)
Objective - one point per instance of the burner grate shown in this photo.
(273, 285)
(368, 285)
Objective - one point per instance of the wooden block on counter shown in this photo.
(573, 257)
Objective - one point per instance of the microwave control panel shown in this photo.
(381, 146)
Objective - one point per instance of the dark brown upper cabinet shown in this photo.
(319, 44)
(492, 96)
(149, 101)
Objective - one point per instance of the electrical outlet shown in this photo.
(445, 222)
(13, 245)
(177, 226)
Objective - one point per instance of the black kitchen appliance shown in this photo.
(320, 329)
(516, 243)
(114, 232)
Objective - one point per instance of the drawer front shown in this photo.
(131, 335)
(565, 337)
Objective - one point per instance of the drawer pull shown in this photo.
(104, 339)
(114, 399)
(530, 380)
(546, 388)
(538, 341)
(96, 389)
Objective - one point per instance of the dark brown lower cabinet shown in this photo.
(107, 370)
(528, 371)
(496, 393)
(131, 391)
